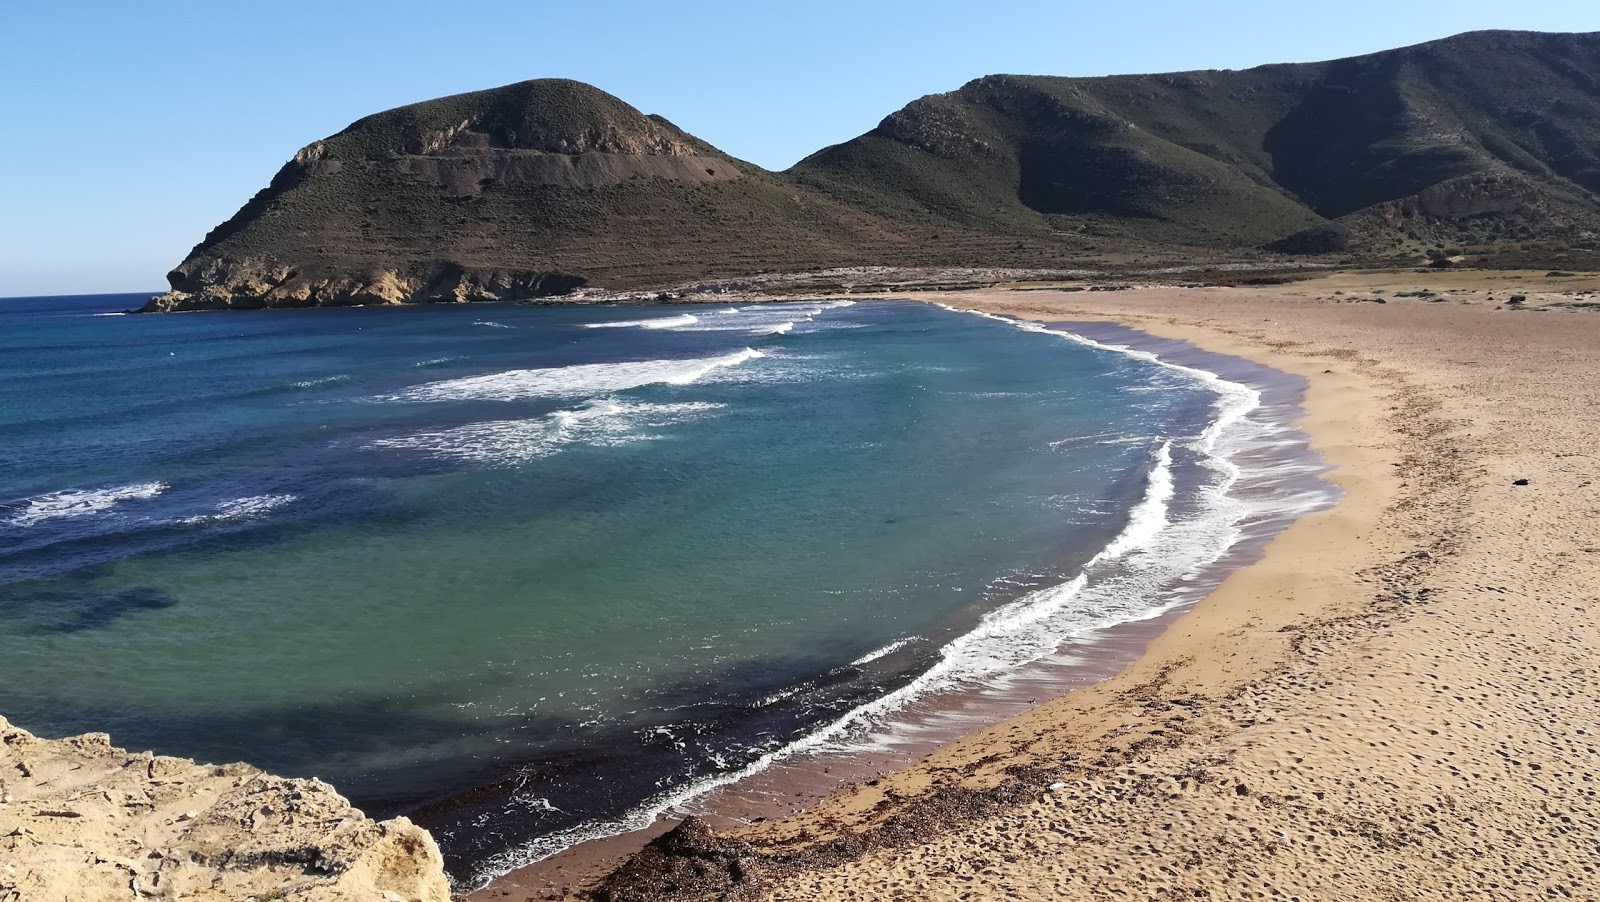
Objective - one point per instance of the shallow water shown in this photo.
(519, 570)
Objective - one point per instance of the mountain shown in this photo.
(1483, 135)
(1485, 139)
(523, 191)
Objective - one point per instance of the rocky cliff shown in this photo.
(83, 820)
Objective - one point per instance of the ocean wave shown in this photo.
(882, 651)
(1101, 438)
(572, 381)
(1149, 516)
(507, 443)
(241, 509)
(491, 324)
(79, 503)
(660, 322)
(325, 380)
(758, 319)
(436, 361)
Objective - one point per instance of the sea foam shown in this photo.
(662, 322)
(79, 503)
(572, 381)
(506, 443)
(241, 509)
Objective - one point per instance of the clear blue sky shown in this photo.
(130, 128)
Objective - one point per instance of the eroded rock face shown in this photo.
(83, 820)
(251, 284)
(1469, 195)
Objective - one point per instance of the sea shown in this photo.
(538, 574)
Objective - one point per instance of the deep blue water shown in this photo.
(515, 569)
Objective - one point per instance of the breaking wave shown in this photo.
(572, 381)
(78, 503)
(507, 443)
(663, 322)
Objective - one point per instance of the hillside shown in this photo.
(1475, 138)
(1488, 139)
(523, 191)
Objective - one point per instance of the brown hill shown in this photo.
(534, 189)
(1482, 136)
(523, 191)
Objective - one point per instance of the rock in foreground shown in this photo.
(83, 820)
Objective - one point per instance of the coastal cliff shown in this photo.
(83, 820)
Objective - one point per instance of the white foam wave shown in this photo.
(241, 509)
(759, 319)
(877, 653)
(660, 322)
(571, 381)
(435, 361)
(491, 324)
(507, 443)
(772, 699)
(1101, 438)
(80, 503)
(325, 380)
(1149, 516)
(118, 313)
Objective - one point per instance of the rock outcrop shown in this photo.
(253, 283)
(83, 820)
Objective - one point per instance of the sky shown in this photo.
(131, 128)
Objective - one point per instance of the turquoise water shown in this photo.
(517, 570)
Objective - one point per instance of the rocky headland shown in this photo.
(81, 819)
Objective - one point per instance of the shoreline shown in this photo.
(802, 779)
(1398, 701)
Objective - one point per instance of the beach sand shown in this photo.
(1401, 699)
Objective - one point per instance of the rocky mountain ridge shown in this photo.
(1488, 140)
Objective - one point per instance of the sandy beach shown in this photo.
(1400, 700)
